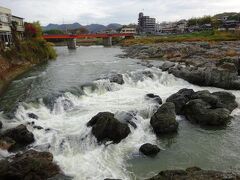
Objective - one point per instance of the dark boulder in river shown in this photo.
(194, 173)
(202, 112)
(1, 125)
(107, 128)
(154, 97)
(29, 165)
(180, 99)
(20, 135)
(149, 149)
(164, 120)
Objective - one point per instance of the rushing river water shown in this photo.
(68, 83)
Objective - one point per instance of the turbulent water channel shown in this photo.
(72, 83)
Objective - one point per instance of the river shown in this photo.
(69, 79)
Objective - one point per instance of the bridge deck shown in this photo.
(82, 36)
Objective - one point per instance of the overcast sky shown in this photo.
(115, 11)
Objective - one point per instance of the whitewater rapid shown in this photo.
(73, 146)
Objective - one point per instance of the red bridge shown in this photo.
(107, 38)
(82, 36)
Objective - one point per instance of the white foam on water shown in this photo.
(76, 150)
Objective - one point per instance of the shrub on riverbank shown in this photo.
(33, 48)
(191, 37)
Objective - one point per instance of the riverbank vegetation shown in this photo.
(23, 53)
(33, 48)
(209, 36)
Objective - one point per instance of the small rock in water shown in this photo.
(38, 127)
(116, 78)
(154, 97)
(149, 149)
(32, 115)
(1, 125)
(164, 120)
(148, 74)
(106, 128)
(167, 65)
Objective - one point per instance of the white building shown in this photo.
(128, 30)
(6, 19)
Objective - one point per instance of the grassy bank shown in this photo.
(209, 36)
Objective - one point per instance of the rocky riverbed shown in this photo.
(202, 63)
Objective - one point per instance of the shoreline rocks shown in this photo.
(164, 120)
(201, 63)
(29, 165)
(106, 128)
(196, 174)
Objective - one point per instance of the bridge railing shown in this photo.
(81, 36)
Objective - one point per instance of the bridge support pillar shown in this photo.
(107, 41)
(72, 43)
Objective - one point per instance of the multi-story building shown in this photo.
(146, 24)
(6, 19)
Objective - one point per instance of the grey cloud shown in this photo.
(107, 11)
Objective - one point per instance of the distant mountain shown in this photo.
(91, 28)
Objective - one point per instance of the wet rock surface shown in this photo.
(203, 107)
(107, 128)
(29, 165)
(149, 149)
(164, 120)
(32, 116)
(20, 135)
(116, 78)
(154, 97)
(194, 173)
(203, 113)
(180, 99)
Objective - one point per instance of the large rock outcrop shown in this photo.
(29, 165)
(194, 173)
(223, 76)
(164, 120)
(107, 128)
